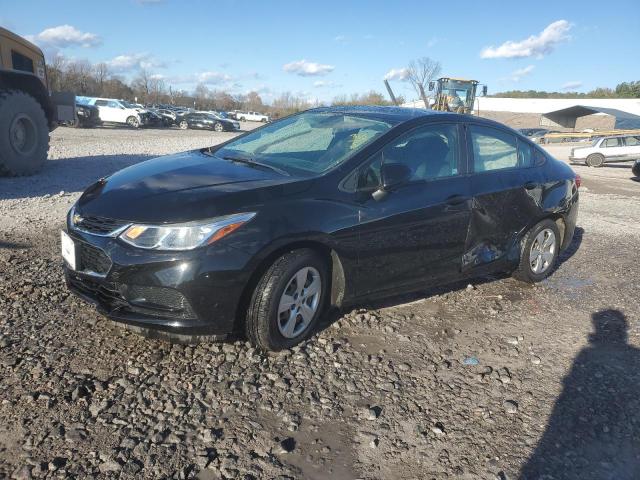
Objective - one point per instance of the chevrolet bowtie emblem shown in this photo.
(77, 219)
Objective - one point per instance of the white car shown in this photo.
(617, 148)
(252, 117)
(119, 111)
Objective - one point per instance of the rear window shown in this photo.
(493, 149)
(20, 62)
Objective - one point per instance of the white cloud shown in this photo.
(517, 75)
(397, 74)
(325, 84)
(134, 61)
(572, 85)
(308, 69)
(64, 36)
(340, 38)
(213, 77)
(534, 46)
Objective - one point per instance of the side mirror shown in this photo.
(484, 90)
(394, 175)
(432, 85)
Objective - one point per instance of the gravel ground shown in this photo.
(491, 380)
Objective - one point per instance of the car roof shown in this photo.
(397, 114)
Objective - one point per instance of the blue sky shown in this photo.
(325, 48)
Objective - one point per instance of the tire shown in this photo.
(595, 160)
(636, 168)
(184, 125)
(218, 127)
(24, 134)
(133, 122)
(530, 270)
(266, 323)
(242, 119)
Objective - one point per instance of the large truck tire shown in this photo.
(24, 134)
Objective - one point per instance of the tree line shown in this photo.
(622, 90)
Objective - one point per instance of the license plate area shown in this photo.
(69, 253)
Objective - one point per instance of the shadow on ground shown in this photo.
(66, 174)
(594, 429)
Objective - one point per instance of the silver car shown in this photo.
(617, 148)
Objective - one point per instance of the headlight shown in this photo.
(186, 236)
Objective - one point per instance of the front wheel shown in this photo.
(184, 125)
(288, 300)
(540, 248)
(595, 160)
(133, 122)
(218, 127)
(636, 168)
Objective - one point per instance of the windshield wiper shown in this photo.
(250, 161)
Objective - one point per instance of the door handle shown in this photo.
(530, 185)
(456, 199)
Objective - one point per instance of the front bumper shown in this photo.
(576, 160)
(189, 293)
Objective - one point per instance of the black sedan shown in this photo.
(207, 121)
(333, 206)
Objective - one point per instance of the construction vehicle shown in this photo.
(28, 111)
(455, 94)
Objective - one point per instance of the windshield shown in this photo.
(308, 143)
(221, 115)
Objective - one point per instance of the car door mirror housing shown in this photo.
(394, 175)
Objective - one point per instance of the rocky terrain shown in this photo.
(490, 379)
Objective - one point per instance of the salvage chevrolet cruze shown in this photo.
(332, 206)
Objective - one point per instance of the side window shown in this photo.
(112, 104)
(610, 142)
(632, 141)
(493, 149)
(526, 154)
(101, 103)
(429, 152)
(21, 62)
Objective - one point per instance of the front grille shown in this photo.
(99, 225)
(105, 293)
(109, 295)
(93, 259)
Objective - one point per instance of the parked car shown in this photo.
(252, 117)
(617, 148)
(530, 132)
(207, 121)
(120, 112)
(87, 116)
(234, 114)
(332, 206)
(168, 116)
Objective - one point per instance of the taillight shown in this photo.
(578, 181)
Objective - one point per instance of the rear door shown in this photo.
(506, 187)
(415, 233)
(632, 144)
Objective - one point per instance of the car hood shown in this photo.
(184, 187)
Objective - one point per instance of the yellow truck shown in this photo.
(28, 111)
(455, 94)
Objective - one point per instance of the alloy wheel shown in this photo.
(299, 302)
(542, 252)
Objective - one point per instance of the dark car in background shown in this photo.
(332, 206)
(87, 116)
(207, 121)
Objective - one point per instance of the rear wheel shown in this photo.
(636, 168)
(242, 119)
(133, 122)
(595, 160)
(184, 125)
(24, 134)
(288, 300)
(539, 253)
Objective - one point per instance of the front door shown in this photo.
(416, 231)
